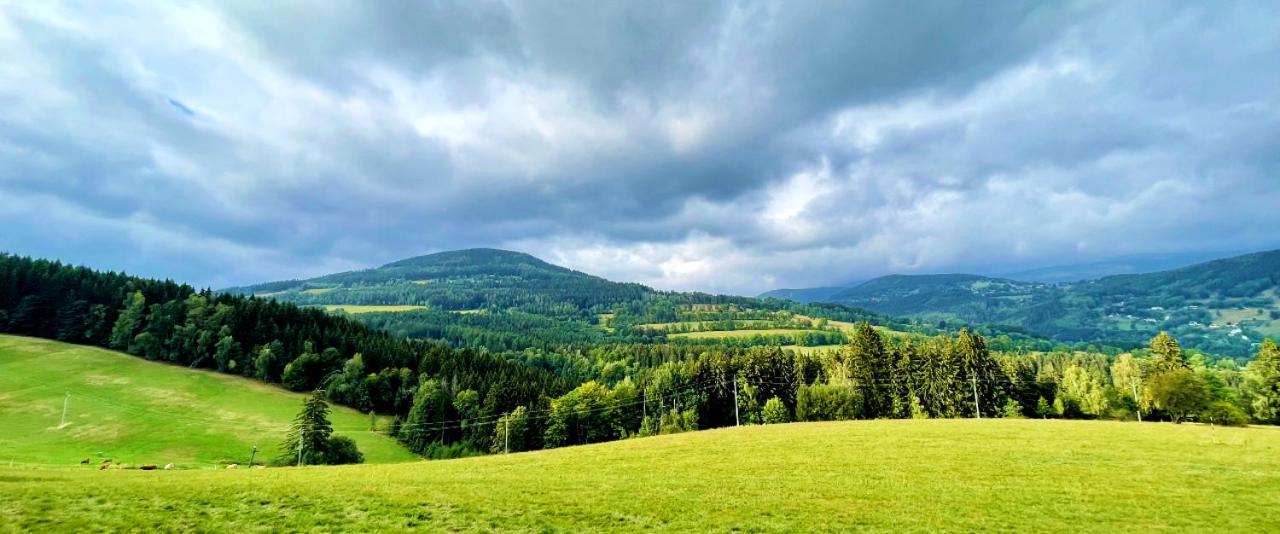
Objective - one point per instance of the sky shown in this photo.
(717, 146)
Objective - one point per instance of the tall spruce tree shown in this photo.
(310, 433)
(1166, 355)
(869, 366)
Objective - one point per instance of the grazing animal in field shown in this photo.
(84, 461)
(103, 467)
(147, 467)
(168, 466)
(232, 466)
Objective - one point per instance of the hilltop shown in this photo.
(1223, 306)
(458, 280)
(904, 475)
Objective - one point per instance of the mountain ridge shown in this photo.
(1225, 305)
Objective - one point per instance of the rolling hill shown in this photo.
(1223, 306)
(804, 295)
(460, 280)
(1128, 264)
(900, 475)
(510, 301)
(133, 411)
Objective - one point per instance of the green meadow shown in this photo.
(900, 475)
(133, 411)
(721, 334)
(356, 308)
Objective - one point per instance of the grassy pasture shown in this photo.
(665, 327)
(357, 308)
(886, 475)
(134, 411)
(813, 349)
(721, 334)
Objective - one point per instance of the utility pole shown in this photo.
(65, 400)
(976, 408)
(736, 421)
(1137, 404)
(302, 438)
(253, 455)
(506, 434)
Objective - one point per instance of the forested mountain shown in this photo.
(1130, 264)
(461, 280)
(510, 301)
(1224, 306)
(805, 295)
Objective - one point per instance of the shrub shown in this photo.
(342, 450)
(1224, 413)
(1012, 410)
(820, 402)
(775, 412)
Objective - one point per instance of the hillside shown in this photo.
(803, 295)
(511, 301)
(1224, 306)
(457, 281)
(133, 411)
(907, 475)
(1129, 264)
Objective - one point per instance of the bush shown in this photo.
(820, 402)
(775, 412)
(1224, 413)
(342, 450)
(1012, 410)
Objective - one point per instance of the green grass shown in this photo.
(666, 327)
(356, 308)
(720, 334)
(813, 349)
(888, 475)
(134, 411)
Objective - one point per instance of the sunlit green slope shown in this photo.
(134, 411)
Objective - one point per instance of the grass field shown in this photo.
(663, 327)
(134, 411)
(900, 475)
(813, 349)
(720, 334)
(356, 308)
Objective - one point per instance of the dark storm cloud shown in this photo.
(729, 146)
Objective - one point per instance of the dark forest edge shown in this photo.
(451, 401)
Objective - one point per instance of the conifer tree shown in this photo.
(311, 430)
(1166, 355)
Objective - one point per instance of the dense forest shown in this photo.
(451, 401)
(1224, 306)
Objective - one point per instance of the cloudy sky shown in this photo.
(731, 147)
